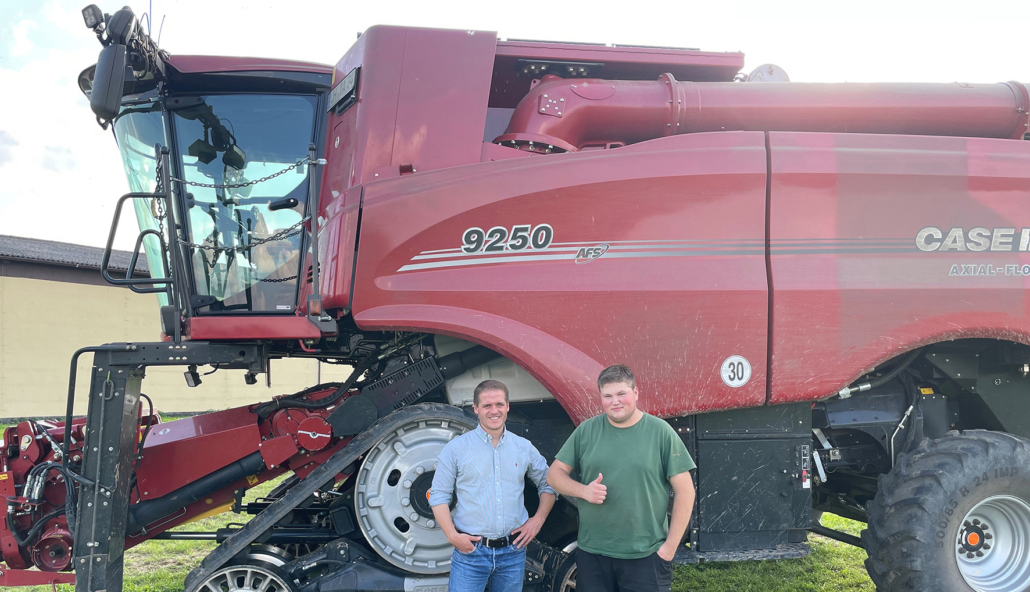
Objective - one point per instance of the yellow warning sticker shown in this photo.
(4, 476)
(252, 479)
(926, 391)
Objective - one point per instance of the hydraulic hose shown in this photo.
(848, 390)
(266, 410)
(31, 534)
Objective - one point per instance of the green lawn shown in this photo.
(161, 566)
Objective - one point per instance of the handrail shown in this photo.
(110, 245)
(135, 256)
(169, 257)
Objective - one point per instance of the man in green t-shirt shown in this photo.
(626, 459)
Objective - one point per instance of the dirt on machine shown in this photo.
(824, 288)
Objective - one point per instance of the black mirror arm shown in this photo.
(283, 204)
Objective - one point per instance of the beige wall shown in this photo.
(42, 323)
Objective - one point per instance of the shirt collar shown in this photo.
(486, 437)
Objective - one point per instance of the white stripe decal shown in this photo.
(493, 255)
(461, 263)
(609, 255)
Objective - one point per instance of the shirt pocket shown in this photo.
(513, 471)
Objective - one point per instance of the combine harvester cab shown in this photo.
(823, 288)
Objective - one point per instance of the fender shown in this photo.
(564, 370)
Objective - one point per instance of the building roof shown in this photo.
(66, 254)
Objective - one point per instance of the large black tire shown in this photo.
(922, 506)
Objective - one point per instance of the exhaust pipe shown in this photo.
(560, 115)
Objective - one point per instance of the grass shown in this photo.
(832, 567)
(161, 566)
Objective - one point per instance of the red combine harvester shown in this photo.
(824, 288)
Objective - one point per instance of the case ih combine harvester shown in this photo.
(822, 287)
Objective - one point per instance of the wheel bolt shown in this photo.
(976, 521)
(979, 554)
(988, 536)
(967, 524)
(970, 555)
(986, 546)
(984, 526)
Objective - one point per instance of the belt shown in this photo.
(498, 543)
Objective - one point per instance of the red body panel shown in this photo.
(24, 577)
(429, 120)
(683, 282)
(850, 287)
(236, 328)
(210, 441)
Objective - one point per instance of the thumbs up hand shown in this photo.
(594, 492)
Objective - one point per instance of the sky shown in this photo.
(60, 173)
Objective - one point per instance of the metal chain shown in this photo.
(255, 181)
(278, 280)
(284, 233)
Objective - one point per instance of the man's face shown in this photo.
(619, 401)
(492, 409)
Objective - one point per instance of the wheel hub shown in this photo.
(391, 496)
(973, 538)
(993, 546)
(420, 489)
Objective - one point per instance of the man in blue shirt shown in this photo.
(486, 470)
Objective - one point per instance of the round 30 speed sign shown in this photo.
(735, 371)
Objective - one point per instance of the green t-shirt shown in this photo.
(635, 464)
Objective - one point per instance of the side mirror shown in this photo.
(86, 80)
(234, 157)
(105, 97)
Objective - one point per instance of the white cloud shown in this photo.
(22, 44)
(66, 18)
(58, 159)
(7, 144)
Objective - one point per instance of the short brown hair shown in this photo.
(489, 385)
(616, 373)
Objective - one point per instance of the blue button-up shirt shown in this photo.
(488, 480)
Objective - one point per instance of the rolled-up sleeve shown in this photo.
(444, 480)
(538, 471)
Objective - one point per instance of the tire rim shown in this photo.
(568, 583)
(244, 578)
(387, 479)
(993, 547)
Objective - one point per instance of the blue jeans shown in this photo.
(503, 568)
